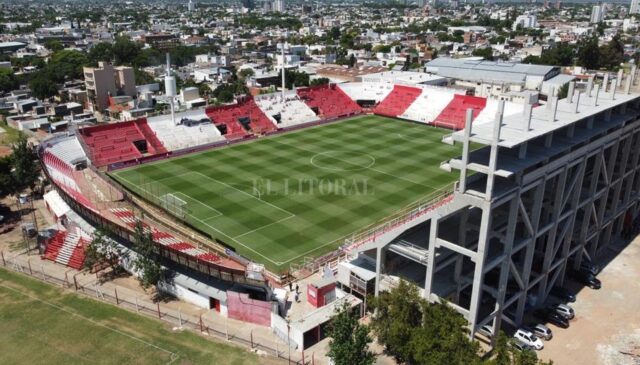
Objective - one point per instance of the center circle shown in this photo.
(343, 160)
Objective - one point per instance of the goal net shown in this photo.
(174, 205)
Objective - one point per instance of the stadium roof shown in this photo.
(475, 70)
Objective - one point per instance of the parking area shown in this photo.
(606, 329)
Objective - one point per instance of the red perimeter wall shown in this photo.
(241, 307)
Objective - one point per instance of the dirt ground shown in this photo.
(606, 329)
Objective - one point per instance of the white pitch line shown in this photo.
(265, 226)
(351, 163)
(219, 213)
(173, 355)
(238, 242)
(244, 192)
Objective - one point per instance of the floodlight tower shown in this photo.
(170, 89)
(283, 79)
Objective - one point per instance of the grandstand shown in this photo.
(429, 104)
(290, 112)
(366, 91)
(68, 248)
(240, 119)
(453, 116)
(399, 100)
(184, 135)
(118, 142)
(328, 101)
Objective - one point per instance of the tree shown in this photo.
(42, 87)
(398, 313)
(502, 353)
(486, 53)
(247, 72)
(563, 91)
(612, 54)
(350, 340)
(25, 167)
(125, 51)
(319, 81)
(101, 52)
(8, 80)
(589, 53)
(54, 45)
(352, 60)
(103, 250)
(67, 64)
(7, 186)
(146, 264)
(442, 337)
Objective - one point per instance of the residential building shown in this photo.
(105, 81)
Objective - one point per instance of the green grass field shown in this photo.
(42, 324)
(281, 198)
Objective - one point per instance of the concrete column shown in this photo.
(597, 93)
(462, 186)
(493, 157)
(589, 86)
(552, 91)
(619, 76)
(614, 86)
(485, 226)
(575, 110)
(572, 89)
(627, 84)
(554, 109)
(605, 82)
(378, 267)
(526, 122)
(431, 259)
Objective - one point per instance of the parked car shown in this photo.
(541, 331)
(520, 346)
(552, 317)
(564, 310)
(588, 279)
(588, 266)
(563, 294)
(486, 330)
(528, 338)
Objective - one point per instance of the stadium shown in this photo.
(358, 179)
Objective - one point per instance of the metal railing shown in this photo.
(405, 215)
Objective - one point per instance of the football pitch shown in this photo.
(43, 324)
(281, 198)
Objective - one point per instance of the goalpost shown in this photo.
(174, 205)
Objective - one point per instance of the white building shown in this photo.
(597, 14)
(191, 6)
(635, 7)
(278, 5)
(526, 21)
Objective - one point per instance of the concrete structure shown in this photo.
(278, 6)
(525, 21)
(634, 8)
(550, 189)
(490, 78)
(105, 80)
(597, 14)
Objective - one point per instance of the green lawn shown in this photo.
(281, 198)
(42, 324)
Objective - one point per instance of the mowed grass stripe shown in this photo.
(279, 172)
